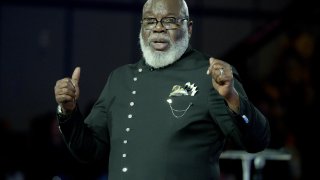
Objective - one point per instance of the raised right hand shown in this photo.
(67, 91)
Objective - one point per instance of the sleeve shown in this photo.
(88, 138)
(249, 129)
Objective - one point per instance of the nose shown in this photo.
(159, 27)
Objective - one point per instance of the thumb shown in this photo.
(76, 75)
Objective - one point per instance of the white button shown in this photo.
(130, 116)
(140, 70)
(127, 129)
(124, 155)
(135, 79)
(124, 169)
(131, 103)
(134, 92)
(125, 141)
(246, 120)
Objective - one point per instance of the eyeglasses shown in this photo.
(167, 22)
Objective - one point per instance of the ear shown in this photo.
(190, 23)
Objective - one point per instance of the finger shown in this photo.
(63, 98)
(70, 83)
(217, 64)
(76, 76)
(218, 75)
(66, 91)
(210, 65)
(221, 71)
(64, 84)
(215, 68)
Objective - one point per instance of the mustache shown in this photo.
(158, 38)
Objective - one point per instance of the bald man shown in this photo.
(168, 116)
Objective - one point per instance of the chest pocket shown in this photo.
(184, 107)
(181, 106)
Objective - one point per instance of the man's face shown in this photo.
(160, 9)
(161, 44)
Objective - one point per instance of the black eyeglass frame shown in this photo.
(171, 24)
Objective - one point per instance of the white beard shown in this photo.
(159, 59)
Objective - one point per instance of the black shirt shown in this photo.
(146, 136)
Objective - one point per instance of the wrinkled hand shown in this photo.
(223, 82)
(67, 91)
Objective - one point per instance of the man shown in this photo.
(167, 116)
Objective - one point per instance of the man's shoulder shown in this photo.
(126, 67)
(193, 59)
(195, 54)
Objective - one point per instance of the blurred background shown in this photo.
(273, 44)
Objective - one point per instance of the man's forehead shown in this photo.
(162, 7)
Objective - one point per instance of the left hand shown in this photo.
(223, 82)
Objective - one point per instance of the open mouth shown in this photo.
(159, 45)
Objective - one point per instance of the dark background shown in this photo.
(272, 43)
